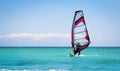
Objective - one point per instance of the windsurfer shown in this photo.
(76, 50)
(78, 43)
(79, 48)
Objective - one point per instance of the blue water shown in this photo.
(57, 59)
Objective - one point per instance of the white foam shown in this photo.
(56, 70)
(86, 55)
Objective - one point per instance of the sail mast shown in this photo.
(72, 33)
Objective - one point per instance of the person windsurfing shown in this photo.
(79, 33)
(76, 49)
(79, 48)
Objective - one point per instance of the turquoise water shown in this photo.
(57, 59)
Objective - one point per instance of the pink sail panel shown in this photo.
(79, 21)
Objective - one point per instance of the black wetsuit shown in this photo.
(76, 51)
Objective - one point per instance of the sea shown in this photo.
(58, 59)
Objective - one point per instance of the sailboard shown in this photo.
(79, 32)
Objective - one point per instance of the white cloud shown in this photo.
(35, 36)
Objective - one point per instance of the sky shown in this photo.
(49, 22)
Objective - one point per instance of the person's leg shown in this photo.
(75, 52)
(78, 53)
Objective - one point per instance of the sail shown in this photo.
(79, 32)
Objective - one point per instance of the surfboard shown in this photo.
(71, 55)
